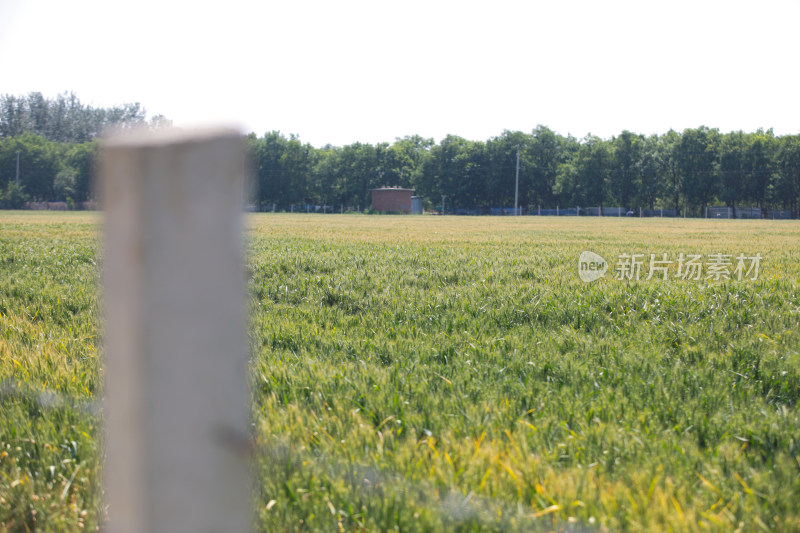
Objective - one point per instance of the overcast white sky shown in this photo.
(370, 71)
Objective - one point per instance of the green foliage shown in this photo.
(626, 174)
(786, 189)
(404, 161)
(64, 186)
(733, 168)
(13, 197)
(81, 161)
(39, 164)
(64, 118)
(56, 142)
(48, 170)
(696, 155)
(693, 168)
(654, 172)
(760, 162)
(585, 178)
(544, 152)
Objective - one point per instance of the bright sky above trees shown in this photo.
(347, 71)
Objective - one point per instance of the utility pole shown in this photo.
(516, 187)
(17, 167)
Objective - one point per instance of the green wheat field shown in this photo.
(445, 374)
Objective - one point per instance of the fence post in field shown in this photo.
(176, 396)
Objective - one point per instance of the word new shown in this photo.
(715, 267)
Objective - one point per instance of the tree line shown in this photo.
(65, 118)
(678, 170)
(56, 140)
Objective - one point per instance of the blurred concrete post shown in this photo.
(176, 411)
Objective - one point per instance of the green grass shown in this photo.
(49, 372)
(437, 373)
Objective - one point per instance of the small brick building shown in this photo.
(392, 199)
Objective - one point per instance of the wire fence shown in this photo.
(715, 212)
(732, 212)
(619, 211)
(301, 208)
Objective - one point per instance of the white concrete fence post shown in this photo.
(176, 396)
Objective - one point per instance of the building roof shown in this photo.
(385, 188)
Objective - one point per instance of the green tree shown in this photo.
(584, 177)
(64, 186)
(64, 118)
(760, 162)
(39, 159)
(270, 180)
(502, 168)
(732, 168)
(786, 192)
(403, 161)
(626, 175)
(470, 184)
(81, 160)
(359, 170)
(13, 197)
(673, 181)
(324, 177)
(544, 154)
(13, 111)
(295, 164)
(654, 171)
(696, 156)
(456, 168)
